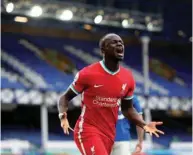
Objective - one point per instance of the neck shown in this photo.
(112, 65)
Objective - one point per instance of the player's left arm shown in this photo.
(140, 131)
(129, 112)
(140, 135)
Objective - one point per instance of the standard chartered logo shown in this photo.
(106, 101)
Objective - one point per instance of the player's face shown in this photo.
(114, 47)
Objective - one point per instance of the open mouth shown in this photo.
(119, 51)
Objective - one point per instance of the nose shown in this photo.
(119, 44)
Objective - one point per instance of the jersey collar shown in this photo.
(106, 69)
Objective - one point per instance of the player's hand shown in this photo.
(151, 128)
(138, 149)
(65, 125)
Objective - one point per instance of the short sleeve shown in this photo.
(79, 83)
(136, 105)
(131, 88)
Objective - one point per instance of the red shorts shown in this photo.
(93, 144)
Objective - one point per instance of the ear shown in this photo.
(102, 50)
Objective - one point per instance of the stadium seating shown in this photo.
(30, 66)
(26, 52)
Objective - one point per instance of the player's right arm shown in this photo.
(63, 107)
(64, 100)
(74, 89)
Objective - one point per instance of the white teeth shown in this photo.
(120, 54)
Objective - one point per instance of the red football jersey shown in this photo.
(102, 92)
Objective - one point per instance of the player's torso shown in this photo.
(105, 90)
(102, 98)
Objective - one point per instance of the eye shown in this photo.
(114, 41)
(121, 41)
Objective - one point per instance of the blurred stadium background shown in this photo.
(45, 42)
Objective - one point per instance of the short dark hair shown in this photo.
(102, 40)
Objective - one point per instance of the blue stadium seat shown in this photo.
(81, 56)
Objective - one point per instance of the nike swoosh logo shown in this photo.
(96, 86)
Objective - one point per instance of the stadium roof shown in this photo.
(76, 12)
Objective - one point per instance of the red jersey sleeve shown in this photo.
(131, 88)
(79, 83)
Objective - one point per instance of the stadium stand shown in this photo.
(31, 60)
